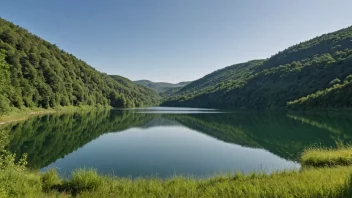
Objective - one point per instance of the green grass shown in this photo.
(319, 157)
(83, 180)
(325, 182)
(310, 182)
(50, 180)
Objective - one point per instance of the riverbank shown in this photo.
(327, 157)
(311, 181)
(23, 114)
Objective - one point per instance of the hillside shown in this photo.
(308, 68)
(161, 87)
(36, 73)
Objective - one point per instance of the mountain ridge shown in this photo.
(161, 87)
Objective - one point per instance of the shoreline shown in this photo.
(25, 115)
(20, 115)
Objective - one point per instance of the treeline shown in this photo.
(294, 73)
(161, 87)
(36, 73)
(337, 96)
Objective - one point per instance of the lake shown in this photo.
(163, 142)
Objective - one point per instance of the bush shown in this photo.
(16, 180)
(335, 81)
(50, 180)
(4, 104)
(84, 180)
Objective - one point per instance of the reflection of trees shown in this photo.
(49, 137)
(274, 132)
(339, 123)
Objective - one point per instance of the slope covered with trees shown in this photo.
(336, 96)
(296, 72)
(161, 87)
(36, 73)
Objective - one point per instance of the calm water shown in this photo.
(174, 141)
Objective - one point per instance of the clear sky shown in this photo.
(175, 40)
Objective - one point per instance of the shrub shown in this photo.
(50, 180)
(84, 180)
(335, 81)
(16, 180)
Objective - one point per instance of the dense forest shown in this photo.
(36, 73)
(312, 74)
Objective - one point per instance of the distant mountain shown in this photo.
(161, 87)
(316, 74)
(36, 73)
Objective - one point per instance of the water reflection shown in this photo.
(133, 143)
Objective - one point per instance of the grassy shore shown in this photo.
(312, 181)
(322, 157)
(325, 182)
(22, 114)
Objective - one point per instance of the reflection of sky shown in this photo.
(178, 112)
(166, 151)
(171, 110)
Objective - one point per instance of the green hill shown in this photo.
(303, 70)
(36, 73)
(161, 87)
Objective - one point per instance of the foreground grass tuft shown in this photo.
(319, 157)
(50, 180)
(83, 180)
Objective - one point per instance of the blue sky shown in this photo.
(175, 40)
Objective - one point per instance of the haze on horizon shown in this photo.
(179, 40)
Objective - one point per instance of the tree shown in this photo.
(4, 83)
(335, 81)
(4, 73)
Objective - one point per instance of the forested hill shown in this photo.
(313, 74)
(161, 87)
(36, 73)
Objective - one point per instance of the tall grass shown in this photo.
(319, 157)
(84, 180)
(50, 180)
(310, 182)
